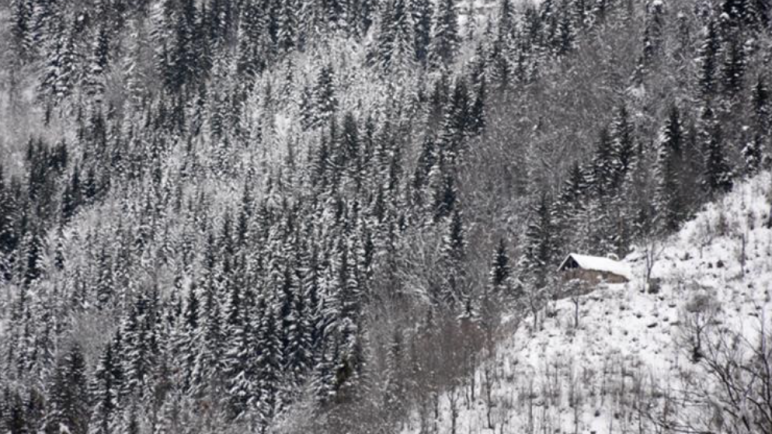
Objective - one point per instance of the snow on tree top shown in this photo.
(597, 263)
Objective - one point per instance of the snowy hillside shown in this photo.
(629, 348)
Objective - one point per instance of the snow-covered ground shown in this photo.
(629, 343)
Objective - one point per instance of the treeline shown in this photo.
(264, 207)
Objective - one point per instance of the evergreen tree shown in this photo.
(269, 363)
(623, 144)
(445, 38)
(99, 62)
(733, 70)
(252, 35)
(442, 190)
(326, 102)
(22, 25)
(758, 13)
(708, 56)
(287, 23)
(540, 247)
(457, 124)
(499, 278)
(59, 75)
(718, 174)
(670, 201)
(453, 254)
(570, 210)
(69, 402)
(477, 111)
(735, 10)
(753, 154)
(754, 150)
(603, 165)
(421, 11)
(183, 62)
(402, 49)
(105, 392)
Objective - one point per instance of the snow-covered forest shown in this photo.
(347, 216)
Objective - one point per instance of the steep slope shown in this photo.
(632, 348)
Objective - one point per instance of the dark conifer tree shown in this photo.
(670, 201)
(69, 403)
(603, 165)
(16, 417)
(183, 64)
(499, 278)
(540, 246)
(733, 68)
(326, 103)
(457, 123)
(570, 217)
(445, 37)
(253, 30)
(708, 55)
(759, 135)
(402, 51)
(421, 11)
(758, 14)
(443, 192)
(72, 198)
(717, 177)
(623, 144)
(477, 111)
(735, 10)
(287, 25)
(269, 362)
(105, 392)
(22, 26)
(453, 254)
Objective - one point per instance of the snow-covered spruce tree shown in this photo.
(442, 193)
(325, 100)
(758, 138)
(445, 35)
(500, 275)
(68, 408)
(22, 26)
(708, 58)
(105, 392)
(421, 11)
(758, 14)
(570, 217)
(98, 62)
(401, 56)
(652, 39)
(452, 256)
(252, 40)
(59, 74)
(603, 166)
(623, 145)
(718, 175)
(733, 66)
(241, 382)
(540, 249)
(457, 124)
(499, 64)
(670, 201)
(287, 25)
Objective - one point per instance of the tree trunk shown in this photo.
(769, 220)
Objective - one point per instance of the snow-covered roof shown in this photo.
(597, 263)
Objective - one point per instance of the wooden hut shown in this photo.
(593, 269)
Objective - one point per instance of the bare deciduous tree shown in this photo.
(730, 390)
